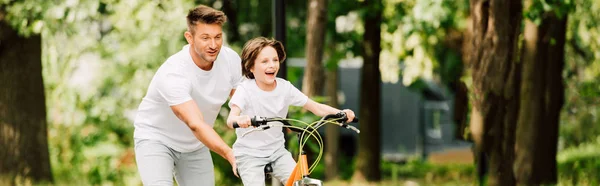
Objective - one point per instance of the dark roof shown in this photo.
(431, 91)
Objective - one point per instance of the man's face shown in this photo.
(206, 41)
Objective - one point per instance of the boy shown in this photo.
(262, 94)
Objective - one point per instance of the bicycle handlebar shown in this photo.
(338, 117)
(258, 121)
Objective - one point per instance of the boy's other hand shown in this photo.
(349, 114)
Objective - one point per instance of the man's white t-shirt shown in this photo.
(179, 80)
(254, 101)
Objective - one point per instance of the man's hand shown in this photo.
(231, 158)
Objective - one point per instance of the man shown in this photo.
(173, 126)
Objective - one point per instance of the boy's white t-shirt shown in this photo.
(254, 101)
(179, 80)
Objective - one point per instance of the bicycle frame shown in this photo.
(300, 171)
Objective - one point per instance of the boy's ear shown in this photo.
(189, 37)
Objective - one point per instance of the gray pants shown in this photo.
(157, 164)
(251, 169)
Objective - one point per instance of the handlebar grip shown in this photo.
(235, 125)
(253, 122)
(257, 121)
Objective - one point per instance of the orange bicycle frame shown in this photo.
(300, 170)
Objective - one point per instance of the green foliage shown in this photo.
(580, 116)
(296, 15)
(433, 174)
(415, 40)
(580, 165)
(344, 33)
(27, 15)
(538, 8)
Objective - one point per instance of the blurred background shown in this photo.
(449, 92)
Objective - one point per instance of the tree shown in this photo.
(335, 50)
(369, 143)
(230, 9)
(517, 97)
(496, 77)
(542, 96)
(332, 132)
(24, 158)
(315, 41)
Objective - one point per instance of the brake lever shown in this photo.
(353, 128)
(261, 128)
(344, 118)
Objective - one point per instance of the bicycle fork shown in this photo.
(299, 176)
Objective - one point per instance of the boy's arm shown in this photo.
(320, 109)
(234, 116)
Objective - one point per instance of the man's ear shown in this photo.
(189, 37)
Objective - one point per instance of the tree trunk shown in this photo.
(369, 142)
(24, 156)
(496, 77)
(542, 96)
(229, 8)
(332, 132)
(315, 40)
(459, 42)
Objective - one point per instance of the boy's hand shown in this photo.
(243, 121)
(349, 114)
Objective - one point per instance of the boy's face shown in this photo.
(266, 67)
(206, 41)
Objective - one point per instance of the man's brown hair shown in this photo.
(206, 15)
(253, 47)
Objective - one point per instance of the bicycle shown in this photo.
(301, 172)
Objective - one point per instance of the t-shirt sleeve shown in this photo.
(174, 87)
(295, 96)
(236, 69)
(238, 98)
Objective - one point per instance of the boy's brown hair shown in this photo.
(253, 47)
(206, 15)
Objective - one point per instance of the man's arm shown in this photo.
(190, 114)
